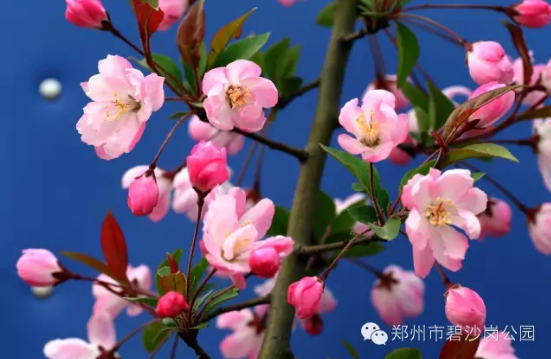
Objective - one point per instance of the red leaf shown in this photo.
(176, 282)
(462, 348)
(114, 246)
(191, 33)
(149, 20)
(92, 263)
(522, 49)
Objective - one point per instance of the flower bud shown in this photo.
(143, 194)
(488, 62)
(305, 296)
(173, 10)
(37, 266)
(539, 227)
(264, 262)
(495, 109)
(465, 308)
(313, 325)
(207, 166)
(495, 221)
(86, 13)
(171, 304)
(533, 13)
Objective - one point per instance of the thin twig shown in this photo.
(380, 217)
(230, 308)
(200, 287)
(320, 248)
(367, 267)
(283, 102)
(461, 41)
(200, 203)
(174, 347)
(245, 165)
(354, 36)
(325, 273)
(167, 139)
(455, 6)
(131, 334)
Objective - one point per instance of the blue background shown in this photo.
(55, 191)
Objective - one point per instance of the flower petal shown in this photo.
(101, 330)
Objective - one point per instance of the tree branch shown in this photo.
(280, 321)
(320, 248)
(283, 102)
(230, 308)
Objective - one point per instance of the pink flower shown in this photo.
(533, 13)
(399, 295)
(101, 334)
(173, 11)
(171, 304)
(123, 100)
(495, 221)
(207, 166)
(466, 309)
(264, 262)
(453, 91)
(236, 96)
(112, 304)
(375, 125)
(438, 201)
(496, 347)
(247, 336)
(37, 266)
(389, 84)
(143, 194)
(342, 205)
(164, 185)
(540, 229)
(288, 3)
(231, 233)
(533, 97)
(86, 13)
(305, 295)
(542, 131)
(203, 131)
(494, 110)
(546, 76)
(488, 62)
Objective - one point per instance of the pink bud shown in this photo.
(313, 325)
(207, 166)
(264, 262)
(173, 10)
(389, 84)
(143, 194)
(495, 109)
(86, 13)
(399, 157)
(495, 221)
(37, 266)
(465, 308)
(533, 13)
(171, 304)
(305, 296)
(539, 227)
(488, 62)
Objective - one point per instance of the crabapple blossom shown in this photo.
(305, 295)
(173, 11)
(533, 13)
(488, 62)
(437, 201)
(101, 334)
(204, 131)
(231, 233)
(375, 125)
(248, 332)
(86, 13)
(237, 95)
(465, 308)
(342, 205)
(171, 304)
(542, 131)
(539, 228)
(495, 221)
(496, 348)
(532, 97)
(495, 109)
(389, 84)
(400, 294)
(207, 166)
(113, 304)
(37, 267)
(122, 102)
(143, 194)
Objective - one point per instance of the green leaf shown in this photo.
(542, 112)
(477, 175)
(200, 300)
(290, 61)
(169, 322)
(279, 222)
(363, 214)
(422, 170)
(325, 213)
(290, 86)
(207, 287)
(177, 255)
(326, 17)
(273, 61)
(173, 282)
(423, 120)
(197, 272)
(243, 49)
(358, 167)
(154, 334)
(357, 186)
(364, 250)
(477, 150)
(178, 115)
(202, 60)
(154, 3)
(152, 302)
(259, 59)
(405, 353)
(415, 96)
(440, 107)
(383, 199)
(389, 231)
(201, 326)
(350, 349)
(408, 52)
(173, 70)
(232, 293)
(344, 222)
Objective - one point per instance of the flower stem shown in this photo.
(325, 273)
(367, 267)
(200, 287)
(230, 308)
(131, 334)
(380, 217)
(167, 139)
(461, 41)
(246, 163)
(200, 202)
(174, 348)
(456, 6)
(445, 279)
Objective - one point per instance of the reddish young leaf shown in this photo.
(176, 282)
(92, 263)
(114, 246)
(462, 348)
(191, 33)
(522, 49)
(149, 20)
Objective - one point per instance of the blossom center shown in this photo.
(238, 247)
(238, 96)
(438, 213)
(369, 130)
(122, 107)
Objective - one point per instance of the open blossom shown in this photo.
(207, 166)
(542, 130)
(375, 125)
(533, 97)
(389, 84)
(495, 109)
(399, 295)
(37, 266)
(488, 62)
(122, 102)
(496, 348)
(465, 308)
(237, 96)
(112, 304)
(305, 295)
(495, 221)
(173, 11)
(248, 332)
(204, 131)
(163, 187)
(533, 13)
(540, 229)
(342, 205)
(231, 233)
(101, 334)
(437, 201)
(86, 13)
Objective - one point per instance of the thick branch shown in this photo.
(230, 308)
(280, 320)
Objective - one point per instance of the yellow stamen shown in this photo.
(438, 213)
(238, 96)
(369, 129)
(123, 108)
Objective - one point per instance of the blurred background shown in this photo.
(56, 192)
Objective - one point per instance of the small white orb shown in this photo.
(50, 88)
(42, 292)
